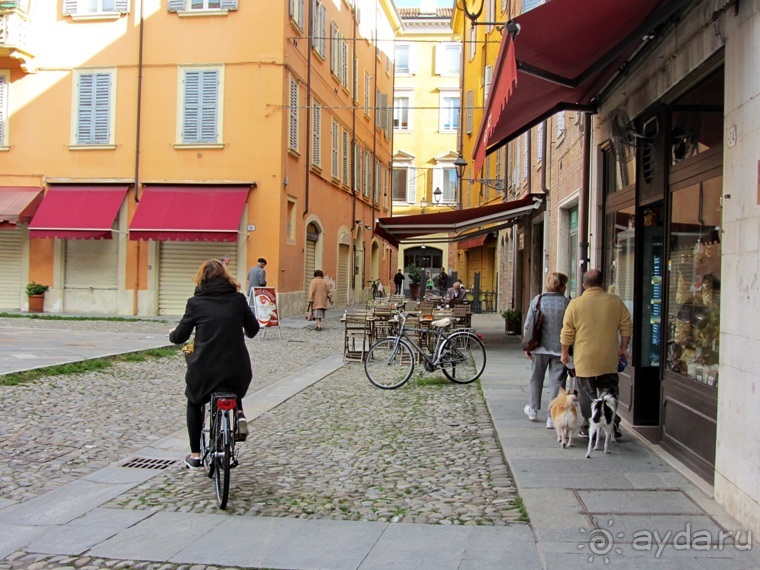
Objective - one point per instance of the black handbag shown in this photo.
(532, 333)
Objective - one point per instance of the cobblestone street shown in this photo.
(340, 450)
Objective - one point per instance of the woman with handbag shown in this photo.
(319, 295)
(551, 305)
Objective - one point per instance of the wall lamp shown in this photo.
(497, 184)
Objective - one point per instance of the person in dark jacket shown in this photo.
(220, 315)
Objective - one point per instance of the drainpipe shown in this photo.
(583, 202)
(353, 153)
(309, 103)
(547, 198)
(138, 121)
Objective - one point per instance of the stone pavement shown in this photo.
(580, 510)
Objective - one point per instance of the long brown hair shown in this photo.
(214, 269)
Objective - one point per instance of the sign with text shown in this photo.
(264, 303)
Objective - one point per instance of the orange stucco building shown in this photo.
(141, 137)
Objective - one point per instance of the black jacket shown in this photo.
(219, 314)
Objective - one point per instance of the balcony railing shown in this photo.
(15, 33)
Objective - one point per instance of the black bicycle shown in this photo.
(218, 451)
(459, 354)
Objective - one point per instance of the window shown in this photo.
(401, 116)
(404, 184)
(468, 112)
(85, 7)
(291, 221)
(449, 113)
(94, 107)
(200, 105)
(540, 142)
(4, 83)
(293, 116)
(405, 64)
(344, 167)
(448, 59)
(297, 12)
(487, 78)
(560, 124)
(445, 178)
(202, 5)
(339, 56)
(320, 29)
(367, 181)
(529, 5)
(524, 157)
(367, 91)
(378, 174)
(335, 167)
(316, 134)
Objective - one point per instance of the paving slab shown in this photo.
(14, 536)
(639, 501)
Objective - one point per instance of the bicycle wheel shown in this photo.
(207, 455)
(389, 365)
(222, 458)
(463, 358)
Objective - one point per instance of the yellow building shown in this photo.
(425, 122)
(141, 137)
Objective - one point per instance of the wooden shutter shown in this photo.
(334, 48)
(335, 150)
(412, 59)
(316, 134)
(438, 181)
(94, 108)
(411, 184)
(69, 7)
(175, 5)
(229, 4)
(468, 110)
(3, 107)
(293, 124)
(487, 83)
(121, 6)
(310, 262)
(201, 98)
(344, 170)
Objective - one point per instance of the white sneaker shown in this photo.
(530, 412)
(549, 423)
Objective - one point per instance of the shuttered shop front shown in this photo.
(344, 257)
(11, 282)
(178, 265)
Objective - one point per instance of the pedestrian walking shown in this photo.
(398, 280)
(591, 326)
(257, 277)
(320, 294)
(220, 316)
(443, 281)
(548, 354)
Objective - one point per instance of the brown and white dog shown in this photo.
(564, 413)
(602, 419)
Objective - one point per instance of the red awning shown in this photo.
(472, 242)
(566, 52)
(400, 228)
(18, 204)
(77, 212)
(189, 213)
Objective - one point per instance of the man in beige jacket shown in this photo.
(591, 326)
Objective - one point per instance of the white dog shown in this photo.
(602, 418)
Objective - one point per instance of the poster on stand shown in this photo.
(264, 303)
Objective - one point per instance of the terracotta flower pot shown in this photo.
(414, 291)
(36, 303)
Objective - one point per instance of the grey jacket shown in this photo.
(553, 307)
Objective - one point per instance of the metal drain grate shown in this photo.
(148, 463)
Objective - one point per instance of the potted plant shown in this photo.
(415, 275)
(512, 320)
(36, 294)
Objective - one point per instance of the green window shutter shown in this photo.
(69, 7)
(176, 5)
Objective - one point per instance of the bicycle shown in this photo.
(460, 354)
(218, 452)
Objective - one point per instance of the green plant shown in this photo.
(36, 288)
(415, 274)
(512, 315)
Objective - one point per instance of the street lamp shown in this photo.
(460, 164)
(437, 196)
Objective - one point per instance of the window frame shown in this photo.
(441, 60)
(449, 112)
(402, 95)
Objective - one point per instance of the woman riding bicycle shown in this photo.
(220, 315)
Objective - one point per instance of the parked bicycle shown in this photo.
(459, 354)
(218, 452)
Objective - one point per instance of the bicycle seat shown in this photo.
(442, 323)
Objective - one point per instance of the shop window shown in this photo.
(694, 282)
(697, 120)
